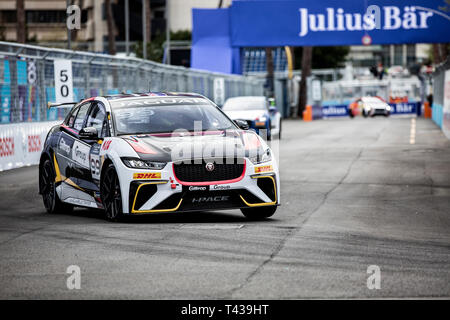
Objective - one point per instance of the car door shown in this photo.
(97, 119)
(76, 151)
(67, 141)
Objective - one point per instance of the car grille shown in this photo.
(198, 173)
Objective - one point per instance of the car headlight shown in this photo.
(388, 108)
(143, 164)
(265, 157)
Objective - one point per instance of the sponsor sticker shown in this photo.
(147, 175)
(106, 144)
(263, 169)
(210, 199)
(64, 146)
(195, 188)
(219, 187)
(80, 154)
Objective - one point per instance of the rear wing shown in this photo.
(61, 105)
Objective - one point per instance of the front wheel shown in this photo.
(260, 213)
(48, 189)
(279, 131)
(111, 195)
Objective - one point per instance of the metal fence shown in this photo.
(27, 80)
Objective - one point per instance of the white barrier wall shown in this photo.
(21, 143)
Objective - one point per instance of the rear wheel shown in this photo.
(48, 189)
(259, 213)
(111, 195)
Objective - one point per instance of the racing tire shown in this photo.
(269, 132)
(364, 113)
(350, 113)
(50, 198)
(279, 131)
(111, 194)
(260, 213)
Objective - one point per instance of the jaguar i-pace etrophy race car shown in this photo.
(147, 153)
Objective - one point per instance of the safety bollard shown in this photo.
(307, 113)
(426, 110)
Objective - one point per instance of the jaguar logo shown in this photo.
(209, 166)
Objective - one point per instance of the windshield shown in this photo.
(244, 104)
(165, 115)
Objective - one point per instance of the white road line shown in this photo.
(412, 133)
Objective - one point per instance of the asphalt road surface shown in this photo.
(354, 193)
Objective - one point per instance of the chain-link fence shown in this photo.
(27, 80)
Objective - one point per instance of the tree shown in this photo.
(323, 57)
(306, 72)
(148, 23)
(439, 52)
(154, 49)
(21, 24)
(111, 29)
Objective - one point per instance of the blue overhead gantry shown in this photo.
(219, 34)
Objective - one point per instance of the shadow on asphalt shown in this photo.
(178, 217)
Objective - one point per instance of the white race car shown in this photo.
(156, 152)
(257, 112)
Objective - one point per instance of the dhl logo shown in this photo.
(263, 169)
(148, 175)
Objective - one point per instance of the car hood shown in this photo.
(246, 114)
(166, 147)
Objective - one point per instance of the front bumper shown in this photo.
(377, 112)
(258, 186)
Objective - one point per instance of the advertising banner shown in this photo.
(5, 92)
(335, 111)
(404, 108)
(446, 111)
(21, 143)
(396, 108)
(346, 22)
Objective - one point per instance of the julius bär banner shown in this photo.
(344, 22)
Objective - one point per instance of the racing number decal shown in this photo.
(95, 167)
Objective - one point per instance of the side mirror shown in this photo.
(242, 124)
(88, 133)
